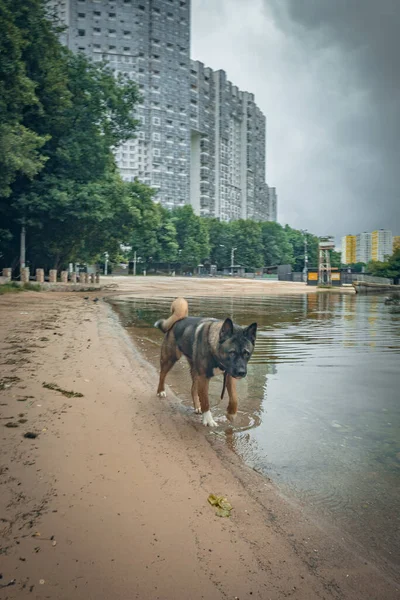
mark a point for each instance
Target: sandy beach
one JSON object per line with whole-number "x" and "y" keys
{"x": 109, "y": 501}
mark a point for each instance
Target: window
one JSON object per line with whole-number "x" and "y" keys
{"x": 141, "y": 7}
{"x": 127, "y": 33}
{"x": 111, "y": 47}
{"x": 111, "y": 32}
{"x": 156, "y": 121}
{"x": 81, "y": 15}
{"x": 169, "y": 45}
{"x": 81, "y": 32}
{"x": 97, "y": 13}
{"x": 156, "y": 152}
{"x": 112, "y": 15}
{"x": 127, "y": 49}
{"x": 96, "y": 30}
{"x": 96, "y": 46}
{"x": 156, "y": 137}
{"x": 156, "y": 10}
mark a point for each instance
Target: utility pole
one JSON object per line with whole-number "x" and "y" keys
{"x": 22, "y": 249}
{"x": 134, "y": 262}
{"x": 106, "y": 255}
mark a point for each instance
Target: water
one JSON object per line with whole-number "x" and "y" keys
{"x": 319, "y": 412}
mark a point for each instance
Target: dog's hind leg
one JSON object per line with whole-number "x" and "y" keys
{"x": 233, "y": 401}
{"x": 195, "y": 394}
{"x": 170, "y": 354}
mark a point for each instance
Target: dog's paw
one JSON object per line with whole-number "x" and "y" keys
{"x": 208, "y": 421}
{"x": 197, "y": 411}
{"x": 231, "y": 417}
{"x": 162, "y": 394}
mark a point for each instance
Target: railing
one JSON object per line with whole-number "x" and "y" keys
{"x": 371, "y": 279}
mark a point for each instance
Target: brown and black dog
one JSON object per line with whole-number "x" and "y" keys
{"x": 211, "y": 347}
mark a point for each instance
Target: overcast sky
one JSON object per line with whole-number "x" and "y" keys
{"x": 326, "y": 75}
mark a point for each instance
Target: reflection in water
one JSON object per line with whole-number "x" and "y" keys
{"x": 319, "y": 411}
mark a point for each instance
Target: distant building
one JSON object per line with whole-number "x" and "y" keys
{"x": 363, "y": 247}
{"x": 381, "y": 244}
{"x": 200, "y": 140}
{"x": 273, "y": 203}
{"x": 227, "y": 176}
{"x": 396, "y": 242}
{"x": 349, "y": 243}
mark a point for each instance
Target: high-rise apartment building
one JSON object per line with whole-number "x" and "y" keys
{"x": 149, "y": 41}
{"x": 349, "y": 243}
{"x": 363, "y": 247}
{"x": 381, "y": 244}
{"x": 200, "y": 139}
{"x": 228, "y": 148}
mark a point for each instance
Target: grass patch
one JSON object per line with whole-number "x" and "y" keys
{"x": 56, "y": 388}
{"x": 13, "y": 288}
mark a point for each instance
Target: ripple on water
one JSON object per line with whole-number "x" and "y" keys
{"x": 319, "y": 410}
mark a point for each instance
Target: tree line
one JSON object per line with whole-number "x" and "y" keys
{"x": 60, "y": 117}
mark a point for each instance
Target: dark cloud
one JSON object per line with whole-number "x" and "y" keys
{"x": 326, "y": 74}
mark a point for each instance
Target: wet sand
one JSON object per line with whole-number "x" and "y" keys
{"x": 119, "y": 479}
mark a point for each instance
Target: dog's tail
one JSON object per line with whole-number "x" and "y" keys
{"x": 179, "y": 310}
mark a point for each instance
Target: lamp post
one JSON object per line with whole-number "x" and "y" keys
{"x": 106, "y": 255}
{"x": 232, "y": 259}
{"x": 305, "y": 270}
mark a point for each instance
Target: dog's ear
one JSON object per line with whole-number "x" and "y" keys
{"x": 250, "y": 332}
{"x": 226, "y": 330}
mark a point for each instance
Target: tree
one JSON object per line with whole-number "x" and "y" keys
{"x": 166, "y": 236}
{"x": 388, "y": 268}
{"x": 220, "y": 236}
{"x": 79, "y": 111}
{"x": 192, "y": 236}
{"x": 247, "y": 238}
{"x": 276, "y": 248}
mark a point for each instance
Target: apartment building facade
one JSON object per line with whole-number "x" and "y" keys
{"x": 367, "y": 246}
{"x": 227, "y": 149}
{"x": 200, "y": 140}
{"x": 349, "y": 244}
{"x": 381, "y": 244}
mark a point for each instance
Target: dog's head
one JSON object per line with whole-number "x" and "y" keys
{"x": 236, "y": 345}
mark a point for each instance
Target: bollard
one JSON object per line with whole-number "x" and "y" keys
{"x": 40, "y": 275}
{"x": 7, "y": 273}
{"x": 92, "y": 278}
{"x": 25, "y": 275}
{"x": 97, "y": 277}
{"x": 73, "y": 277}
{"x": 83, "y": 278}
{"x": 53, "y": 276}
{"x": 64, "y": 276}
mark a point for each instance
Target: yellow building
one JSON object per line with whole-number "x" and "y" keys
{"x": 381, "y": 244}
{"x": 396, "y": 242}
{"x": 349, "y": 245}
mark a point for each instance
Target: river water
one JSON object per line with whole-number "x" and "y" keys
{"x": 319, "y": 412}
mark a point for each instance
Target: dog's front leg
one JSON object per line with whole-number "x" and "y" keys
{"x": 202, "y": 388}
{"x": 233, "y": 401}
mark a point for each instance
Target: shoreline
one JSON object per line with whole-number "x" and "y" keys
{"x": 121, "y": 480}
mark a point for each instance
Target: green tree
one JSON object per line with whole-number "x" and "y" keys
{"x": 78, "y": 110}
{"x": 247, "y": 237}
{"x": 166, "y": 236}
{"x": 220, "y": 235}
{"x": 388, "y": 268}
{"x": 276, "y": 248}
{"x": 192, "y": 236}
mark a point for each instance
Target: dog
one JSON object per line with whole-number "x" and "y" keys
{"x": 211, "y": 346}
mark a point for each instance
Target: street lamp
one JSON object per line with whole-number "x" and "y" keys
{"x": 305, "y": 270}
{"x": 106, "y": 255}
{"x": 232, "y": 257}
